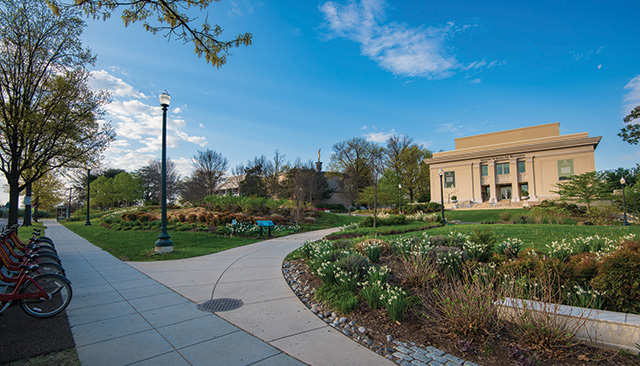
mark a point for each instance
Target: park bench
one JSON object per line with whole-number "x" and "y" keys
{"x": 265, "y": 223}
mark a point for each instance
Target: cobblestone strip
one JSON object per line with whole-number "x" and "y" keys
{"x": 405, "y": 354}
{"x": 408, "y": 354}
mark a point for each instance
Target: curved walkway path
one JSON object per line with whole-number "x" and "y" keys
{"x": 147, "y": 314}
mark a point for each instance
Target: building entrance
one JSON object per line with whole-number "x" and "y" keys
{"x": 505, "y": 193}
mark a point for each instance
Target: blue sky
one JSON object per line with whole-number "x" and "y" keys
{"x": 320, "y": 72}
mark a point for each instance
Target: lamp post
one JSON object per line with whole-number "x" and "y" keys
{"x": 441, "y": 174}
{"x": 88, "y": 222}
{"x": 624, "y": 202}
{"x": 399, "y": 198}
{"x": 164, "y": 243}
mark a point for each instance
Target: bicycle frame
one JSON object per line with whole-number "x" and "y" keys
{"x": 14, "y": 296}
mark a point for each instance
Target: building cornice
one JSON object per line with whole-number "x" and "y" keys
{"x": 529, "y": 148}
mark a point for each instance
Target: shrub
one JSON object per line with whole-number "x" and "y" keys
{"x": 390, "y": 221}
{"x": 396, "y": 302}
{"x": 428, "y": 207}
{"x": 342, "y": 301}
{"x": 182, "y": 217}
{"x": 504, "y": 215}
{"x": 334, "y": 207}
{"x": 619, "y": 278}
{"x": 354, "y": 263}
{"x": 510, "y": 247}
{"x": 309, "y": 220}
{"x": 584, "y": 268}
{"x": 468, "y": 306}
{"x": 417, "y": 269}
{"x": 372, "y": 293}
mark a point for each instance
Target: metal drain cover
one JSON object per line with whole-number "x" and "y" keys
{"x": 220, "y": 305}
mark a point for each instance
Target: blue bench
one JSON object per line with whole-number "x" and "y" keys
{"x": 265, "y": 223}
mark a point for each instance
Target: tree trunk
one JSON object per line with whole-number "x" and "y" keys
{"x": 14, "y": 197}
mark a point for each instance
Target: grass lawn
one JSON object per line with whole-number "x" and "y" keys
{"x": 329, "y": 220}
{"x": 538, "y": 236}
{"x": 139, "y": 245}
{"x": 24, "y": 233}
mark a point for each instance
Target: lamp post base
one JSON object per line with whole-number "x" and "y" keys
{"x": 164, "y": 249}
{"x": 164, "y": 244}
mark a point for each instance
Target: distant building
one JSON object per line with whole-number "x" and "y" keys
{"x": 501, "y": 166}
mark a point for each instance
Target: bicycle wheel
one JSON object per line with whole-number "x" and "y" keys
{"x": 58, "y": 287}
{"x": 47, "y": 267}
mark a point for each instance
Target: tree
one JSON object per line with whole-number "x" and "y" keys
{"x": 49, "y": 118}
{"x": 209, "y": 167}
{"x": 584, "y": 188}
{"x": 253, "y": 183}
{"x": 47, "y": 192}
{"x": 168, "y": 20}
{"x": 630, "y": 175}
{"x": 406, "y": 161}
{"x": 126, "y": 188}
{"x": 631, "y": 132}
{"x": 151, "y": 181}
{"x": 414, "y": 172}
{"x": 351, "y": 160}
{"x": 273, "y": 172}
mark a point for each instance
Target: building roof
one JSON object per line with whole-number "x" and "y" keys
{"x": 516, "y": 141}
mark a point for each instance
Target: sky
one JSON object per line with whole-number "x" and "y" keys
{"x": 320, "y": 72}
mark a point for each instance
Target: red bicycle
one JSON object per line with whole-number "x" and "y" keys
{"x": 41, "y": 296}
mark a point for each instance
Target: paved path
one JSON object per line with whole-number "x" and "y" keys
{"x": 147, "y": 314}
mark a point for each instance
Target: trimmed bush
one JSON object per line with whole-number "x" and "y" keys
{"x": 619, "y": 278}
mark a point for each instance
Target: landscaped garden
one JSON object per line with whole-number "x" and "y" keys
{"x": 444, "y": 286}
{"x": 221, "y": 223}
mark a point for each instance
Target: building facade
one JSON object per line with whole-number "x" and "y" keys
{"x": 511, "y": 165}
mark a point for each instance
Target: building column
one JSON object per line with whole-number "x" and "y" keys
{"x": 476, "y": 183}
{"x": 533, "y": 194}
{"x": 515, "y": 189}
{"x": 492, "y": 182}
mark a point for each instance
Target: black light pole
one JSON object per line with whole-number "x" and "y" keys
{"x": 399, "y": 198}
{"x": 441, "y": 173}
{"x": 88, "y": 222}
{"x": 624, "y": 202}
{"x": 164, "y": 243}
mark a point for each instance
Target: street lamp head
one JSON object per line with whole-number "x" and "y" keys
{"x": 622, "y": 181}
{"x": 399, "y": 186}
{"x": 440, "y": 172}
{"x": 165, "y": 98}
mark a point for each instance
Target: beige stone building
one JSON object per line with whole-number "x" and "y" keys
{"x": 510, "y": 165}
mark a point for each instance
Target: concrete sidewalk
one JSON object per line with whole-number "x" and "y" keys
{"x": 121, "y": 316}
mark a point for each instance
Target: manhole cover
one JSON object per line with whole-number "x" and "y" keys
{"x": 220, "y": 305}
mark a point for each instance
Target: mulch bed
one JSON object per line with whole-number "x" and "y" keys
{"x": 499, "y": 349}
{"x": 23, "y": 336}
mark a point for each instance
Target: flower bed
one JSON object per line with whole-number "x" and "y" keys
{"x": 452, "y": 284}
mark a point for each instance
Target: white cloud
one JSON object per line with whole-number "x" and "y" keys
{"x": 379, "y": 137}
{"x": 397, "y": 47}
{"x": 201, "y": 125}
{"x": 102, "y": 80}
{"x": 138, "y": 125}
{"x": 456, "y": 128}
{"x": 425, "y": 144}
{"x": 599, "y": 66}
{"x": 475, "y": 81}
{"x": 240, "y": 9}
{"x": 632, "y": 98}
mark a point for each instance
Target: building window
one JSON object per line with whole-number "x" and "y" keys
{"x": 521, "y": 167}
{"x": 449, "y": 179}
{"x": 484, "y": 170}
{"x": 502, "y": 169}
{"x": 524, "y": 189}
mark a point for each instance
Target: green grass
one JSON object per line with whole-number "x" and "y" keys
{"x": 384, "y": 230}
{"x": 24, "y": 233}
{"x": 329, "y": 220}
{"x": 484, "y": 215}
{"x": 63, "y": 358}
{"x": 538, "y": 236}
{"x": 140, "y": 245}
